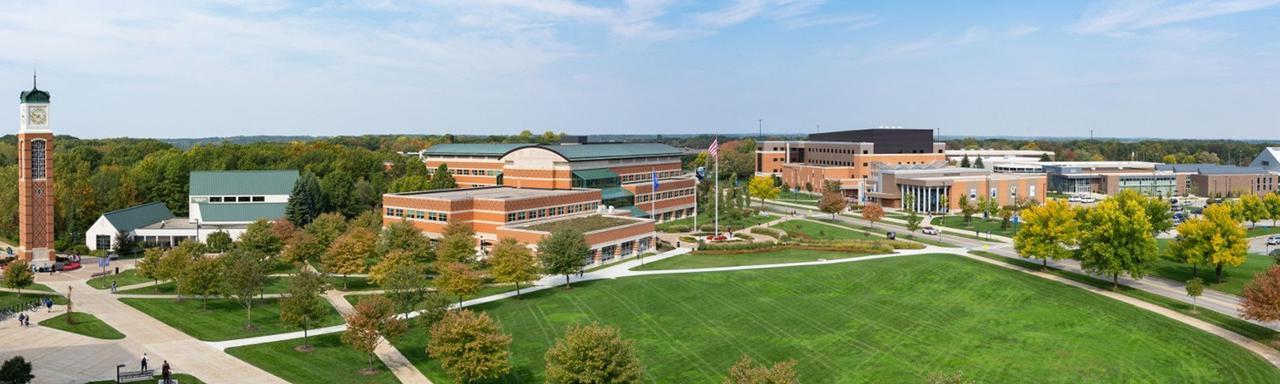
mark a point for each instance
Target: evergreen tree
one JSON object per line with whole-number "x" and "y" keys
{"x": 442, "y": 179}
{"x": 306, "y": 201}
{"x": 964, "y": 162}
{"x": 977, "y": 163}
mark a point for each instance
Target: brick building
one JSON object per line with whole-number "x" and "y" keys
{"x": 847, "y": 157}
{"x": 526, "y": 215}
{"x": 938, "y": 190}
{"x": 35, "y": 178}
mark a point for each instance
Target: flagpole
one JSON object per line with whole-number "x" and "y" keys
{"x": 717, "y": 226}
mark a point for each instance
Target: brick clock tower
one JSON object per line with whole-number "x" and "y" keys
{"x": 35, "y": 177}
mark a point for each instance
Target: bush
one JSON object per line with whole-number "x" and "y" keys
{"x": 743, "y": 236}
{"x": 675, "y": 228}
{"x": 774, "y": 233}
{"x": 1275, "y": 255}
{"x": 688, "y": 239}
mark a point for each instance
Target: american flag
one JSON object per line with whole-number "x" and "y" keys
{"x": 715, "y": 147}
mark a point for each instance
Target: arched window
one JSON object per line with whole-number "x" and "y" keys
{"x": 37, "y": 159}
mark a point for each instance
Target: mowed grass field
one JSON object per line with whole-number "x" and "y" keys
{"x": 714, "y": 260}
{"x": 222, "y": 319}
{"x": 884, "y": 321}
{"x": 1233, "y": 278}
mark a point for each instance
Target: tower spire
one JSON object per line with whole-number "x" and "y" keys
{"x": 33, "y": 79}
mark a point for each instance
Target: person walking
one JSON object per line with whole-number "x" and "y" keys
{"x": 164, "y": 372}
{"x": 144, "y": 361}
{"x": 21, "y": 319}
{"x": 113, "y": 286}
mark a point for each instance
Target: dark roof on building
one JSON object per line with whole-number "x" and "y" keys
{"x": 886, "y": 140}
{"x": 138, "y": 216}
{"x": 1211, "y": 169}
{"x": 572, "y": 152}
{"x": 212, "y": 183}
{"x": 35, "y": 95}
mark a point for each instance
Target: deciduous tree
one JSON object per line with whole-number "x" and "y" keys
{"x": 394, "y": 261}
{"x": 260, "y": 239}
{"x": 457, "y": 243}
{"x": 1117, "y": 239}
{"x": 1213, "y": 239}
{"x": 244, "y": 273}
{"x": 303, "y": 247}
{"x": 562, "y": 253}
{"x": 872, "y": 212}
{"x": 16, "y": 370}
{"x": 302, "y": 305}
{"x": 349, "y": 253}
{"x": 218, "y": 241}
{"x": 203, "y": 278}
{"x": 913, "y": 218}
{"x": 967, "y": 208}
{"x": 513, "y": 263}
{"x": 373, "y": 319}
{"x": 763, "y": 188}
{"x": 1272, "y": 202}
{"x": 593, "y": 354}
{"x": 1049, "y": 231}
{"x": 470, "y": 346}
{"x": 1195, "y": 287}
{"x": 149, "y": 265}
{"x": 1253, "y": 209}
{"x": 327, "y": 227}
{"x": 18, "y": 275}
{"x": 458, "y": 279}
{"x": 403, "y": 236}
{"x": 1261, "y": 298}
{"x": 746, "y": 371}
{"x": 832, "y": 202}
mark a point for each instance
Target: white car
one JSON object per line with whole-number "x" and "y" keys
{"x": 930, "y": 231}
{"x": 1073, "y": 199}
{"x": 1273, "y": 240}
{"x": 1088, "y": 200}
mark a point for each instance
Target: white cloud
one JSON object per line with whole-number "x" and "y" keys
{"x": 1022, "y": 30}
{"x": 1133, "y": 15}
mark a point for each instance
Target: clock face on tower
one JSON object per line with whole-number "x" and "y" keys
{"x": 39, "y": 116}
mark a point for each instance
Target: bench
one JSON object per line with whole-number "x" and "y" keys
{"x": 99, "y": 274}
{"x": 128, "y": 376}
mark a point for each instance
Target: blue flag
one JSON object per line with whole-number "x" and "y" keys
{"x": 655, "y": 180}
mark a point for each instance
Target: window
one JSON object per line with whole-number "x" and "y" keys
{"x": 37, "y": 159}
{"x": 104, "y": 241}
{"x": 244, "y": 199}
{"x": 993, "y": 193}
{"x": 259, "y": 199}
{"x": 1031, "y": 191}
{"x": 215, "y": 199}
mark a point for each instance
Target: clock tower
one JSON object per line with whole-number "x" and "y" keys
{"x": 35, "y": 177}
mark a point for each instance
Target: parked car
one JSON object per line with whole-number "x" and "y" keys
{"x": 1073, "y": 199}
{"x": 1088, "y": 200}
{"x": 929, "y": 231}
{"x": 1273, "y": 240}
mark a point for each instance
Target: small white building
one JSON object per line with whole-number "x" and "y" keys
{"x": 992, "y": 156}
{"x": 1268, "y": 159}
{"x": 219, "y": 201}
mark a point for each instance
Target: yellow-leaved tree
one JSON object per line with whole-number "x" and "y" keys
{"x": 762, "y": 187}
{"x": 1215, "y": 239}
{"x": 1048, "y": 231}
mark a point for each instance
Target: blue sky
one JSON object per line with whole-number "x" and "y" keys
{"x": 1197, "y": 69}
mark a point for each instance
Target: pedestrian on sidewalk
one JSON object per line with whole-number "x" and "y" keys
{"x": 164, "y": 373}
{"x": 21, "y": 318}
{"x": 113, "y": 286}
{"x": 144, "y": 361}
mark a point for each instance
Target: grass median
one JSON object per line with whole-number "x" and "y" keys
{"x": 83, "y": 324}
{"x": 223, "y": 319}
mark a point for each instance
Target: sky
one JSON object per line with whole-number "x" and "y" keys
{"x": 200, "y": 68}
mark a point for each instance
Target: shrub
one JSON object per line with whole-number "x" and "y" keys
{"x": 774, "y": 233}
{"x": 743, "y": 236}
{"x": 688, "y": 239}
{"x": 675, "y": 228}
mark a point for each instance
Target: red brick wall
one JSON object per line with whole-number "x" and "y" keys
{"x": 35, "y": 198}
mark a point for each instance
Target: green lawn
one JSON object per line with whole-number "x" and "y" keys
{"x": 126, "y": 277}
{"x": 713, "y": 260}
{"x": 1233, "y": 278}
{"x": 1262, "y": 231}
{"x": 799, "y": 198}
{"x": 878, "y": 233}
{"x": 726, "y": 223}
{"x": 8, "y": 299}
{"x": 275, "y": 284}
{"x": 178, "y": 377}
{"x": 985, "y": 226}
{"x": 85, "y": 324}
{"x": 330, "y": 362}
{"x": 892, "y": 320}
{"x": 582, "y": 224}
{"x": 353, "y": 283}
{"x": 808, "y": 230}
{"x": 1244, "y": 328}
{"x": 486, "y": 291}
{"x": 223, "y": 320}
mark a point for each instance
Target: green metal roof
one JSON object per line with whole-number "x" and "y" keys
{"x": 138, "y": 216}
{"x": 575, "y": 152}
{"x": 240, "y": 212}
{"x": 595, "y": 174}
{"x": 212, "y": 183}
{"x": 473, "y": 149}
{"x": 584, "y": 152}
{"x": 614, "y": 192}
{"x": 637, "y": 212}
{"x": 34, "y": 96}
